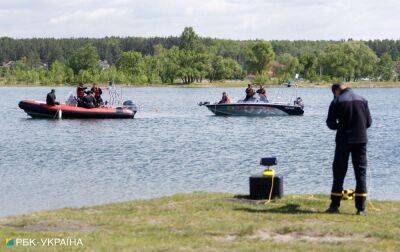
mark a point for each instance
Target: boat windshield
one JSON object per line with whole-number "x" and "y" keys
{"x": 255, "y": 99}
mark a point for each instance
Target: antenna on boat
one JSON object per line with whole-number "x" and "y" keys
{"x": 115, "y": 94}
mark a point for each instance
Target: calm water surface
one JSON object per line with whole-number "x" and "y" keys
{"x": 174, "y": 146}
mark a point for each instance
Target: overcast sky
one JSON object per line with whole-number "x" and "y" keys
{"x": 235, "y": 19}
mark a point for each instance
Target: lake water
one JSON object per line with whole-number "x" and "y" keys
{"x": 174, "y": 146}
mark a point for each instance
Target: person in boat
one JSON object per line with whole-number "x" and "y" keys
{"x": 97, "y": 94}
{"x": 262, "y": 93}
{"x": 350, "y": 117}
{"x": 249, "y": 93}
{"x": 225, "y": 99}
{"x": 80, "y": 93}
{"x": 88, "y": 101}
{"x": 51, "y": 98}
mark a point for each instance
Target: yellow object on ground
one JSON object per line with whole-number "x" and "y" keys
{"x": 269, "y": 173}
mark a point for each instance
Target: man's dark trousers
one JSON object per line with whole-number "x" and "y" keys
{"x": 358, "y": 153}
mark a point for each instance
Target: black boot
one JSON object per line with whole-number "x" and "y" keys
{"x": 360, "y": 199}
{"x": 335, "y": 204}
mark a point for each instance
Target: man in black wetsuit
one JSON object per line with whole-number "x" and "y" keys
{"x": 51, "y": 98}
{"x": 249, "y": 92}
{"x": 349, "y": 115}
{"x": 88, "y": 100}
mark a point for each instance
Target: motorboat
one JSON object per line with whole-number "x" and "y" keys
{"x": 256, "y": 107}
{"x": 39, "y": 109}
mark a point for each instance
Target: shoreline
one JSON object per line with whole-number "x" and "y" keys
{"x": 227, "y": 84}
{"x": 215, "y": 221}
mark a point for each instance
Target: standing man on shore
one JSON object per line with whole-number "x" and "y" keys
{"x": 349, "y": 115}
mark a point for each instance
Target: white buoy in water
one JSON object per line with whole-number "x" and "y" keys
{"x": 60, "y": 114}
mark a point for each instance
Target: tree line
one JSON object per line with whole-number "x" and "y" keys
{"x": 190, "y": 58}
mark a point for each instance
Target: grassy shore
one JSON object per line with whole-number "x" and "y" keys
{"x": 214, "y": 222}
{"x": 227, "y": 84}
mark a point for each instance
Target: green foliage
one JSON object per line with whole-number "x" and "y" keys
{"x": 193, "y": 60}
{"x": 385, "y": 69}
{"x": 168, "y": 63}
{"x": 308, "y": 65}
{"x": 133, "y": 66}
{"x": 84, "y": 59}
{"x": 336, "y": 63}
{"x": 131, "y": 63}
{"x": 152, "y": 69}
{"x": 397, "y": 69}
{"x": 33, "y": 59}
{"x": 259, "y": 55}
{"x": 190, "y": 59}
{"x": 189, "y": 40}
{"x": 365, "y": 59}
{"x": 192, "y": 66}
{"x": 224, "y": 68}
{"x": 261, "y": 78}
{"x": 287, "y": 66}
{"x": 348, "y": 61}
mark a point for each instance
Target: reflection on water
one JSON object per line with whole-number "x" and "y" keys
{"x": 173, "y": 145}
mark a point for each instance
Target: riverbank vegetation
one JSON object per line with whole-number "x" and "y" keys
{"x": 215, "y": 222}
{"x": 189, "y": 59}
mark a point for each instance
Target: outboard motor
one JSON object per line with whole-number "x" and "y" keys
{"x": 204, "y": 103}
{"x": 130, "y": 105}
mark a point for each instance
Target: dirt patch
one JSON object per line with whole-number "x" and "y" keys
{"x": 308, "y": 237}
{"x": 157, "y": 220}
{"x": 226, "y": 238}
{"x": 57, "y": 226}
{"x": 177, "y": 231}
{"x": 172, "y": 205}
{"x": 92, "y": 211}
{"x": 128, "y": 220}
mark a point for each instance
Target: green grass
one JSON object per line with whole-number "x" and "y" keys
{"x": 215, "y": 222}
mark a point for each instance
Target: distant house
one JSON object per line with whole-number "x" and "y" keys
{"x": 104, "y": 64}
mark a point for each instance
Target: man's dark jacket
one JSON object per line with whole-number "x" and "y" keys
{"x": 349, "y": 115}
{"x": 51, "y": 99}
{"x": 89, "y": 101}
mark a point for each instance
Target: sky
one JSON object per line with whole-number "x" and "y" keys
{"x": 232, "y": 19}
